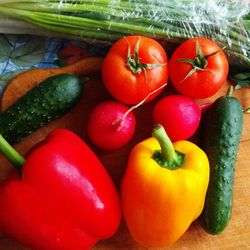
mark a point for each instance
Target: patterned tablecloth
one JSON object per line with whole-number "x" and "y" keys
{"x": 22, "y": 52}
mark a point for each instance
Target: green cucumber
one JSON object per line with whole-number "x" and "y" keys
{"x": 221, "y": 131}
{"x": 45, "y": 102}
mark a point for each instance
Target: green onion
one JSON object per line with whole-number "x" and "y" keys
{"x": 226, "y": 22}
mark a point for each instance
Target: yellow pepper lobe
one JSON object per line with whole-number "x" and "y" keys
{"x": 159, "y": 204}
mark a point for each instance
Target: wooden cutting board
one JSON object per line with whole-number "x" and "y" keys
{"x": 237, "y": 234}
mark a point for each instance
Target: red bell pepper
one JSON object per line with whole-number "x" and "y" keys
{"x": 64, "y": 198}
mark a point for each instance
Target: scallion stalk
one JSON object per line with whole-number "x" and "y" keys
{"x": 227, "y": 22}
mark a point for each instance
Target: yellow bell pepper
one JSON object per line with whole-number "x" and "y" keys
{"x": 163, "y": 189}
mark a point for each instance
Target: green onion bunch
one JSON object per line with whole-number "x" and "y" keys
{"x": 225, "y": 21}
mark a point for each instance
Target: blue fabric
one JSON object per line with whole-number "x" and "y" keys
{"x": 8, "y": 66}
{"x": 52, "y": 47}
{"x": 22, "y": 52}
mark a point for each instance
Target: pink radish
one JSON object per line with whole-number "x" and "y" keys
{"x": 110, "y": 125}
{"x": 179, "y": 115}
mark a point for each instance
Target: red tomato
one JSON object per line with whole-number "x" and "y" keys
{"x": 130, "y": 81}
{"x": 205, "y": 81}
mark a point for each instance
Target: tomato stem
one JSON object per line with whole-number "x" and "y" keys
{"x": 199, "y": 63}
{"x": 134, "y": 63}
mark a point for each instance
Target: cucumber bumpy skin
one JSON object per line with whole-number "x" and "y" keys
{"x": 45, "y": 102}
{"x": 220, "y": 138}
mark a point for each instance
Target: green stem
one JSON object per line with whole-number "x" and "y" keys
{"x": 247, "y": 110}
{"x": 108, "y": 20}
{"x": 230, "y": 91}
{"x": 11, "y": 154}
{"x": 167, "y": 157}
{"x": 167, "y": 148}
{"x": 103, "y": 9}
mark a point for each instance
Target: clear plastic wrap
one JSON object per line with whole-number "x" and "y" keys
{"x": 225, "y": 21}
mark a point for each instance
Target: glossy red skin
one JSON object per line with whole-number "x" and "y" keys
{"x": 121, "y": 82}
{"x": 201, "y": 84}
{"x": 64, "y": 200}
{"x": 179, "y": 115}
{"x": 106, "y": 127}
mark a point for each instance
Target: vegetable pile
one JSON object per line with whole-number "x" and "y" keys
{"x": 226, "y": 22}
{"x": 63, "y": 193}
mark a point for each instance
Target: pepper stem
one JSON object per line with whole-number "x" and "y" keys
{"x": 167, "y": 149}
{"x": 168, "y": 157}
{"x": 230, "y": 91}
{"x": 11, "y": 154}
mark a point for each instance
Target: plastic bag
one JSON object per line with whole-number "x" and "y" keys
{"x": 224, "y": 21}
